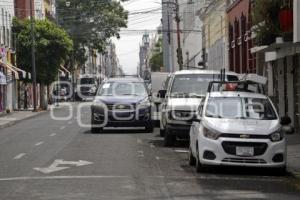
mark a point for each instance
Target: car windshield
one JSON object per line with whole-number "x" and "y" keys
{"x": 194, "y": 85}
{"x": 123, "y": 89}
{"x": 240, "y": 108}
{"x": 87, "y": 81}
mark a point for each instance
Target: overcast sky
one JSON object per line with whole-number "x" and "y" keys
{"x": 128, "y": 46}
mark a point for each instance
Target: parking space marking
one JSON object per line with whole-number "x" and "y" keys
{"x": 181, "y": 151}
{"x": 39, "y": 143}
{"x": 52, "y": 134}
{"x": 17, "y": 157}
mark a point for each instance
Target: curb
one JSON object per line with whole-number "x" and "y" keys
{"x": 19, "y": 120}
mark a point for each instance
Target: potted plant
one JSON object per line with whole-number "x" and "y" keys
{"x": 286, "y": 16}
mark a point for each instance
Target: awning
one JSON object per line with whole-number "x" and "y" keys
{"x": 274, "y": 47}
{"x": 11, "y": 69}
{"x": 19, "y": 70}
{"x": 2, "y": 79}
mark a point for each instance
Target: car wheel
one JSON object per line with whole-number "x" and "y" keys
{"x": 95, "y": 128}
{"x": 149, "y": 128}
{"x": 162, "y": 132}
{"x": 199, "y": 166}
{"x": 281, "y": 171}
{"x": 192, "y": 159}
{"x": 169, "y": 139}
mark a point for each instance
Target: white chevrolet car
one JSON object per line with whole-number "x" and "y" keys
{"x": 237, "y": 127}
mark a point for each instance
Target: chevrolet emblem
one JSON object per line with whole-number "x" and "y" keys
{"x": 245, "y": 136}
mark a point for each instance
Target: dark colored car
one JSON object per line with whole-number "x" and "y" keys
{"x": 121, "y": 102}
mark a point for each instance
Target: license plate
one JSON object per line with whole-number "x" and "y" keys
{"x": 244, "y": 151}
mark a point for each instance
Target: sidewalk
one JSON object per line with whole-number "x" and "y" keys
{"x": 16, "y": 116}
{"x": 294, "y": 154}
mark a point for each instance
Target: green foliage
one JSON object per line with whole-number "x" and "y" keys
{"x": 265, "y": 17}
{"x": 91, "y": 23}
{"x": 156, "y": 61}
{"x": 52, "y": 47}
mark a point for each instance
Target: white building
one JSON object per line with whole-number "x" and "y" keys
{"x": 8, "y": 90}
{"x": 192, "y": 35}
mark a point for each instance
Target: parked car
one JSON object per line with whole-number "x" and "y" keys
{"x": 236, "y": 127}
{"x": 185, "y": 91}
{"x": 122, "y": 102}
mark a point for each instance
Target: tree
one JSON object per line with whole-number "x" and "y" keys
{"x": 156, "y": 60}
{"x": 52, "y": 44}
{"x": 265, "y": 17}
{"x": 91, "y": 23}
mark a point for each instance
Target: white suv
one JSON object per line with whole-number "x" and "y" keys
{"x": 238, "y": 128}
{"x": 185, "y": 90}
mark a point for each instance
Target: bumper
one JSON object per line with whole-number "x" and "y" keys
{"x": 265, "y": 158}
{"x": 131, "y": 118}
{"x": 179, "y": 130}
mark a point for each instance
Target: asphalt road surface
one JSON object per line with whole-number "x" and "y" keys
{"x": 46, "y": 159}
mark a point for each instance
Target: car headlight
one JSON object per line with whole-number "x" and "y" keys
{"x": 93, "y": 89}
{"x": 277, "y": 136}
{"x": 210, "y": 134}
{"x": 144, "y": 103}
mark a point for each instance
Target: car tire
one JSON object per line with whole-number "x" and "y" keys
{"x": 169, "y": 140}
{"x": 162, "y": 132}
{"x": 192, "y": 159}
{"x": 281, "y": 171}
{"x": 199, "y": 166}
{"x": 149, "y": 128}
{"x": 95, "y": 128}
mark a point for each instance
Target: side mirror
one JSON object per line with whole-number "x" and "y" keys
{"x": 285, "y": 121}
{"x": 162, "y": 94}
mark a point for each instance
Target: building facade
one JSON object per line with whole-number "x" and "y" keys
{"x": 214, "y": 34}
{"x": 192, "y": 34}
{"x": 240, "y": 39}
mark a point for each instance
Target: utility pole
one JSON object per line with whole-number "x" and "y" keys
{"x": 33, "y": 56}
{"x": 179, "y": 49}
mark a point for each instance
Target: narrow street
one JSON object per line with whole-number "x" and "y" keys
{"x": 46, "y": 159}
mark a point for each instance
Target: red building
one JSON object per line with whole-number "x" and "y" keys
{"x": 22, "y": 8}
{"x": 239, "y": 36}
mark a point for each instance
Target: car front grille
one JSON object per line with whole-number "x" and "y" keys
{"x": 244, "y": 160}
{"x": 84, "y": 89}
{"x": 120, "y": 106}
{"x": 259, "y": 147}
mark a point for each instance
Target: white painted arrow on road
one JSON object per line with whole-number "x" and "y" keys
{"x": 54, "y": 167}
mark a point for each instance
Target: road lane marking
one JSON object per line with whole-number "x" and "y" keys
{"x": 62, "y": 128}
{"x": 139, "y": 141}
{"x": 140, "y": 154}
{"x": 157, "y": 158}
{"x": 152, "y": 145}
{"x": 39, "y": 143}
{"x": 55, "y": 166}
{"x": 70, "y": 122}
{"x": 52, "y": 134}
{"x": 203, "y": 177}
{"x": 17, "y": 157}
